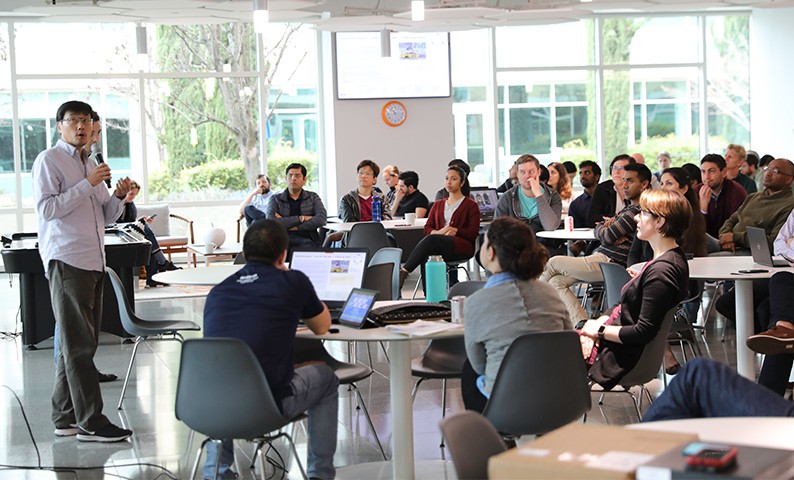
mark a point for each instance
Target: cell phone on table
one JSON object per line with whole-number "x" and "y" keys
{"x": 750, "y": 270}
{"x": 712, "y": 458}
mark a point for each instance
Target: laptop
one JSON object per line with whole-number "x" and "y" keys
{"x": 486, "y": 199}
{"x": 357, "y": 307}
{"x": 334, "y": 273}
{"x": 759, "y": 247}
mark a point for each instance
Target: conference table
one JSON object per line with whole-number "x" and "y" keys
{"x": 768, "y": 432}
{"x": 727, "y": 268}
{"x": 197, "y": 276}
{"x": 570, "y": 236}
{"x": 398, "y": 224}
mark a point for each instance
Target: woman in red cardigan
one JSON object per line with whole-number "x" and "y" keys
{"x": 451, "y": 229}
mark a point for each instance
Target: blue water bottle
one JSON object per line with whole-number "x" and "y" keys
{"x": 435, "y": 279}
{"x": 377, "y": 206}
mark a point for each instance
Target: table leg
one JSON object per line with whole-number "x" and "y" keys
{"x": 401, "y": 409}
{"x": 744, "y": 328}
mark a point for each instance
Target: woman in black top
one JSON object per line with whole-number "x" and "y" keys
{"x": 646, "y": 299}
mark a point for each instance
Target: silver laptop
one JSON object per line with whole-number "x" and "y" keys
{"x": 759, "y": 247}
{"x": 334, "y": 272}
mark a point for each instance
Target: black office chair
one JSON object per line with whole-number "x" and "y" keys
{"x": 472, "y": 441}
{"x": 541, "y": 385}
{"x": 143, "y": 328}
{"x": 211, "y": 368}
{"x": 380, "y": 278}
{"x": 370, "y": 235}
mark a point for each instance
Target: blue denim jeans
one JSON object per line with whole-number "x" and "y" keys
{"x": 705, "y": 388}
{"x": 315, "y": 391}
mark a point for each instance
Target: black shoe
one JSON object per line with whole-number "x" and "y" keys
{"x": 106, "y": 377}
{"x": 108, "y": 433}
{"x": 168, "y": 266}
{"x": 152, "y": 283}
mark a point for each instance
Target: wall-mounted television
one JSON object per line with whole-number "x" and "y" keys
{"x": 417, "y": 68}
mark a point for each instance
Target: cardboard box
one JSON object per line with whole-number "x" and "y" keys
{"x": 579, "y": 451}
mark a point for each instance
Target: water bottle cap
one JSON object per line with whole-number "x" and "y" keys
{"x": 436, "y": 258}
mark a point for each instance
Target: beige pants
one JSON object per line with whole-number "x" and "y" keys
{"x": 562, "y": 272}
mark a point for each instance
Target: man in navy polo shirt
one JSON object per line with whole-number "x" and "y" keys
{"x": 261, "y": 305}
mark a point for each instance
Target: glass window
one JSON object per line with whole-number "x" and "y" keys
{"x": 565, "y": 44}
{"x": 530, "y": 131}
{"x": 637, "y": 40}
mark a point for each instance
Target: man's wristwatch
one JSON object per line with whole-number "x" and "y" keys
{"x": 601, "y": 332}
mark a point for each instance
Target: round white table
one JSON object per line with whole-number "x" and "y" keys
{"x": 561, "y": 234}
{"x": 769, "y": 432}
{"x": 197, "y": 276}
{"x": 398, "y": 224}
{"x": 402, "y": 463}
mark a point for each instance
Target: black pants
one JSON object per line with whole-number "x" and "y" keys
{"x": 776, "y": 369}
{"x": 435, "y": 244}
{"x": 473, "y": 399}
{"x": 726, "y": 305}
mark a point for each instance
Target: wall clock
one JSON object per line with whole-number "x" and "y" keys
{"x": 394, "y": 113}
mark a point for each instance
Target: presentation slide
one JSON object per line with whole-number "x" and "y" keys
{"x": 333, "y": 274}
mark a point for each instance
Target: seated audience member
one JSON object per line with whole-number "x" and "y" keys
{"x": 620, "y": 338}
{"x": 443, "y": 193}
{"x": 512, "y": 303}
{"x": 356, "y": 206}
{"x": 759, "y": 174}
{"x": 408, "y": 198}
{"x": 512, "y": 179}
{"x": 391, "y": 175}
{"x": 451, "y": 229}
{"x": 694, "y": 175}
{"x": 749, "y": 166}
{"x": 735, "y": 155}
{"x": 300, "y": 211}
{"x": 253, "y": 208}
{"x": 664, "y": 162}
{"x": 767, "y": 209}
{"x": 570, "y": 170}
{"x": 615, "y": 235}
{"x": 692, "y": 242}
{"x": 262, "y": 305}
{"x": 531, "y": 201}
{"x": 640, "y": 158}
{"x": 559, "y": 182}
{"x": 157, "y": 261}
{"x": 608, "y": 196}
{"x": 705, "y": 388}
{"x": 719, "y": 197}
{"x": 589, "y": 176}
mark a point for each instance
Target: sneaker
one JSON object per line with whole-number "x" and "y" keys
{"x": 403, "y": 275}
{"x": 169, "y": 266}
{"x": 69, "y": 431}
{"x": 108, "y": 433}
{"x": 106, "y": 377}
{"x": 775, "y": 341}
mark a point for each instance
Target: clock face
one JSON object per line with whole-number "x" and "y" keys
{"x": 394, "y": 114}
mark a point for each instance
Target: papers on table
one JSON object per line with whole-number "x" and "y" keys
{"x": 423, "y": 328}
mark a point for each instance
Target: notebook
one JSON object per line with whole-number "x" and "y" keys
{"x": 759, "y": 247}
{"x": 486, "y": 199}
{"x": 334, "y": 272}
{"x": 357, "y": 307}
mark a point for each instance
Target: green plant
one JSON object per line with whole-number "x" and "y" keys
{"x": 223, "y": 175}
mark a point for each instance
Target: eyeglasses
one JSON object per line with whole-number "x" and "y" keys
{"x": 777, "y": 171}
{"x": 618, "y": 168}
{"x": 76, "y": 120}
{"x": 365, "y": 174}
{"x": 648, "y": 212}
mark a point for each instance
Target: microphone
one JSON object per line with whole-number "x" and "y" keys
{"x": 99, "y": 159}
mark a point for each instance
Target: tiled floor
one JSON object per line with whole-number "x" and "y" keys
{"x": 159, "y": 446}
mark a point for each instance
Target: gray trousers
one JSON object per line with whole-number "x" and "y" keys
{"x": 77, "y": 304}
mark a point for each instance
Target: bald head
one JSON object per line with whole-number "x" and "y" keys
{"x": 638, "y": 157}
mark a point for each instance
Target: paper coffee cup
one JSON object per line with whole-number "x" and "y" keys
{"x": 209, "y": 248}
{"x": 410, "y": 218}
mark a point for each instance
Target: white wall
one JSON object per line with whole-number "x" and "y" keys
{"x": 424, "y": 143}
{"x": 771, "y": 87}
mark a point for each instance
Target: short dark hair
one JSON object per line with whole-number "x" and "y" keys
{"x": 715, "y": 158}
{"x": 570, "y": 167}
{"x": 465, "y": 188}
{"x": 295, "y": 165}
{"x": 589, "y": 163}
{"x": 516, "y": 247}
{"x": 751, "y": 159}
{"x": 74, "y": 106}
{"x": 643, "y": 173}
{"x": 410, "y": 178}
{"x": 544, "y": 174}
{"x": 622, "y": 156}
{"x": 263, "y": 175}
{"x": 456, "y": 162}
{"x": 94, "y": 116}
{"x": 765, "y": 160}
{"x": 265, "y": 241}
{"x": 369, "y": 163}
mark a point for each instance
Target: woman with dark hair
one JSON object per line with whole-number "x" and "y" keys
{"x": 559, "y": 181}
{"x": 695, "y": 178}
{"x": 513, "y": 302}
{"x": 617, "y": 340}
{"x": 451, "y": 229}
{"x": 466, "y": 188}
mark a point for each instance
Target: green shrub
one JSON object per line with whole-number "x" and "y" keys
{"x": 222, "y": 175}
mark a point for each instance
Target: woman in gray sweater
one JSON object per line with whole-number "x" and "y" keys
{"x": 512, "y": 303}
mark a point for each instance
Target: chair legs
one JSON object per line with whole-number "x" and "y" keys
{"x": 443, "y": 399}
{"x": 198, "y": 458}
{"x": 369, "y": 420}
{"x": 138, "y": 341}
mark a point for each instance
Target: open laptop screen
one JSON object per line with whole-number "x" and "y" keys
{"x": 486, "y": 199}
{"x": 333, "y": 272}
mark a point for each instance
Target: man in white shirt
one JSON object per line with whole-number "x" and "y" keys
{"x": 253, "y": 208}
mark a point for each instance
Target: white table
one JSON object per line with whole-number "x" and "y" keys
{"x": 399, "y": 382}
{"x": 769, "y": 432}
{"x": 398, "y": 224}
{"x": 227, "y": 249}
{"x": 561, "y": 234}
{"x": 197, "y": 276}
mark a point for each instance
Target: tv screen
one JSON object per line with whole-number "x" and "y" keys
{"x": 418, "y": 66}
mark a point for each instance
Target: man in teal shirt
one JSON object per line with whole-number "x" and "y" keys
{"x": 531, "y": 200}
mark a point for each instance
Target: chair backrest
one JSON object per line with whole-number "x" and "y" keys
{"x": 209, "y": 369}
{"x": 541, "y": 385}
{"x": 650, "y": 361}
{"x": 393, "y": 256}
{"x": 126, "y": 314}
{"x": 471, "y": 440}
{"x": 465, "y": 288}
{"x": 239, "y": 259}
{"x": 379, "y": 277}
{"x": 161, "y": 225}
{"x": 615, "y": 278}
{"x": 369, "y": 235}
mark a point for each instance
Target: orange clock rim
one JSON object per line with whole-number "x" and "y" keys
{"x": 386, "y": 120}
